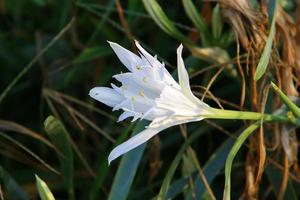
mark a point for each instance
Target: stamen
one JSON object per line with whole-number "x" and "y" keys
{"x": 138, "y": 67}
{"x": 145, "y": 80}
{"x": 141, "y": 93}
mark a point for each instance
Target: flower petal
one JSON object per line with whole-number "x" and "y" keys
{"x": 184, "y": 77}
{"x": 125, "y": 115}
{"x": 106, "y": 95}
{"x": 154, "y": 128}
{"x": 174, "y": 100}
{"x": 151, "y": 60}
{"x": 128, "y": 58}
{"x": 133, "y": 142}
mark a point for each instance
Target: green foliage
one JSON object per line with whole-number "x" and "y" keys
{"x": 265, "y": 56}
{"x": 61, "y": 141}
{"x": 127, "y": 169}
{"x": 53, "y": 52}
{"x": 234, "y": 150}
{"x": 44, "y": 191}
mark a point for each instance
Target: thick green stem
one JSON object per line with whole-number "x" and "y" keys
{"x": 244, "y": 115}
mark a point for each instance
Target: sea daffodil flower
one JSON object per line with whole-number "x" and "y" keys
{"x": 149, "y": 92}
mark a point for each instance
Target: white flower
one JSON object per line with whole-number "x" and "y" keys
{"x": 149, "y": 92}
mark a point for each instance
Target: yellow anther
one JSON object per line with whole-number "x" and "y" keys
{"x": 141, "y": 93}
{"x": 145, "y": 80}
{"x": 138, "y": 67}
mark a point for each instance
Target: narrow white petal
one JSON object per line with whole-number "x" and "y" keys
{"x": 151, "y": 60}
{"x": 117, "y": 89}
{"x": 133, "y": 142}
{"x": 128, "y": 58}
{"x": 123, "y": 104}
{"x": 106, "y": 95}
{"x": 183, "y": 76}
{"x": 125, "y": 115}
{"x": 154, "y": 128}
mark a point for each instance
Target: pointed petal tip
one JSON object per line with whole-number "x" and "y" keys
{"x": 136, "y": 42}
{"x": 179, "y": 49}
{"x": 109, "y": 161}
{"x": 112, "y": 156}
{"x": 112, "y": 44}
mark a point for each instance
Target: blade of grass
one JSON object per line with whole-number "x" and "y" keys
{"x": 158, "y": 15}
{"x": 91, "y": 53}
{"x": 198, "y": 21}
{"x": 237, "y": 145}
{"x": 265, "y": 57}
{"x": 44, "y": 191}
{"x": 48, "y": 93}
{"x": 103, "y": 168}
{"x": 167, "y": 180}
{"x": 77, "y": 151}
{"x": 127, "y": 169}
{"x": 212, "y": 167}
{"x": 29, "y": 152}
{"x": 12, "y": 188}
{"x": 104, "y": 18}
{"x": 216, "y": 23}
{"x": 60, "y": 138}
{"x": 12, "y": 126}
{"x": 35, "y": 59}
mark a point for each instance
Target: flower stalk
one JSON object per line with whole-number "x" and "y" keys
{"x": 245, "y": 115}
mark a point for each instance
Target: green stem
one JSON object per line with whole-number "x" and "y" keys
{"x": 286, "y": 100}
{"x": 244, "y": 115}
{"x": 235, "y": 148}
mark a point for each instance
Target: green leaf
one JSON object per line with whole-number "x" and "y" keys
{"x": 212, "y": 167}
{"x": 158, "y": 15}
{"x": 265, "y": 57}
{"x": 236, "y": 147}
{"x": 217, "y": 23}
{"x": 286, "y": 100}
{"x": 60, "y": 138}
{"x": 12, "y": 188}
{"x": 103, "y": 20}
{"x": 104, "y": 168}
{"x": 198, "y": 21}
{"x": 43, "y": 189}
{"x": 92, "y": 53}
{"x": 127, "y": 169}
{"x": 168, "y": 177}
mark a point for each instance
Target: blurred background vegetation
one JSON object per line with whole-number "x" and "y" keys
{"x": 53, "y": 52}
